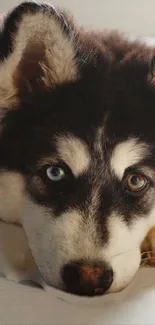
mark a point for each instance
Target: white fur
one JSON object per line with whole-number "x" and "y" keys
{"x": 123, "y": 250}
{"x": 74, "y": 152}
{"x": 126, "y": 154}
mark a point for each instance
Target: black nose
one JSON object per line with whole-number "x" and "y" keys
{"x": 87, "y": 280}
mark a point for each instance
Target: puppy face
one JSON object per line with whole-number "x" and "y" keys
{"x": 77, "y": 137}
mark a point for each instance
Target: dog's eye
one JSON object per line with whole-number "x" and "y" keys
{"x": 55, "y": 173}
{"x": 136, "y": 182}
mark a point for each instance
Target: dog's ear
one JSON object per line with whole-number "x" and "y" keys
{"x": 37, "y": 52}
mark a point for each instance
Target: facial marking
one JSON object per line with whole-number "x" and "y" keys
{"x": 98, "y": 146}
{"x": 74, "y": 152}
{"x": 126, "y": 154}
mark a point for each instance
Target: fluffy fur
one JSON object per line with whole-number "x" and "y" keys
{"x": 83, "y": 101}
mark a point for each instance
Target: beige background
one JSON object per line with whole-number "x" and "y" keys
{"x": 136, "y": 17}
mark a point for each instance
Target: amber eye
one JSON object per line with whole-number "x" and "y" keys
{"x": 136, "y": 182}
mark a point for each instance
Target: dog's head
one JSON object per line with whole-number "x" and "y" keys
{"x": 77, "y": 145}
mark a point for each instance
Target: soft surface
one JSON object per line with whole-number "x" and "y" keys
{"x": 23, "y": 304}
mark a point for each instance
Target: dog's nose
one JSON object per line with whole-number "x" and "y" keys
{"x": 87, "y": 280}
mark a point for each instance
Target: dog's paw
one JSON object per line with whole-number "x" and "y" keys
{"x": 148, "y": 249}
{"x": 16, "y": 276}
{"x": 19, "y": 277}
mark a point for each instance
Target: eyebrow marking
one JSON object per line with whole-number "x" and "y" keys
{"x": 126, "y": 154}
{"x": 74, "y": 152}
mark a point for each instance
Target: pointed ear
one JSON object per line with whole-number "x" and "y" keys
{"x": 37, "y": 52}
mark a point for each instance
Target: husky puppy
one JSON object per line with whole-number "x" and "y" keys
{"x": 77, "y": 144}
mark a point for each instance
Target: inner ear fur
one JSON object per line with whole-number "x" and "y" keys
{"x": 42, "y": 54}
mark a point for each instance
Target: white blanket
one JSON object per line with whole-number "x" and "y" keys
{"x": 26, "y": 305}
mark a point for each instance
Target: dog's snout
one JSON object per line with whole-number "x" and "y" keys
{"x": 85, "y": 279}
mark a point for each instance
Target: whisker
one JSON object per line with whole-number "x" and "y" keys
{"x": 123, "y": 252}
{"x": 146, "y": 252}
{"x": 147, "y": 258}
{"x": 143, "y": 259}
{"x": 148, "y": 262}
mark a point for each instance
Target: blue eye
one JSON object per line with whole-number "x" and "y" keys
{"x": 55, "y": 173}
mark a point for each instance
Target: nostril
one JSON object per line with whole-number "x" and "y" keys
{"x": 107, "y": 278}
{"x": 71, "y": 275}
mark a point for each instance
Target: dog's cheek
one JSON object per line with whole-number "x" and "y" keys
{"x": 125, "y": 267}
{"x": 123, "y": 251}
{"x": 36, "y": 224}
{"x": 46, "y": 241}
{"x": 12, "y": 191}
{"x": 55, "y": 241}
